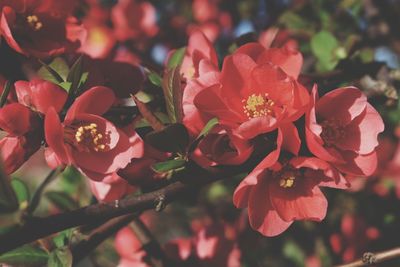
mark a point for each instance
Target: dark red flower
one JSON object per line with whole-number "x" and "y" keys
{"x": 37, "y": 28}
{"x": 342, "y": 128}
{"x": 87, "y": 140}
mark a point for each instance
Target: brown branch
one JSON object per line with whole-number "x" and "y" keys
{"x": 370, "y": 258}
{"x": 155, "y": 254}
{"x": 39, "y": 227}
{"x": 97, "y": 236}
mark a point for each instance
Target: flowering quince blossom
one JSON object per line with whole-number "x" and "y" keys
{"x": 129, "y": 249}
{"x": 22, "y": 122}
{"x": 38, "y": 28}
{"x": 257, "y": 91}
{"x": 342, "y": 128}
{"x": 133, "y": 19}
{"x": 221, "y": 146}
{"x": 277, "y": 194}
{"x": 87, "y": 140}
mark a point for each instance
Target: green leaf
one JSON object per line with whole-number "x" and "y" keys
{"x": 61, "y": 257}
{"x": 25, "y": 256}
{"x": 176, "y": 58}
{"x": 144, "y": 97}
{"x": 55, "y": 72}
{"x": 173, "y": 94}
{"x": 62, "y": 239}
{"x": 22, "y": 192}
{"x": 75, "y": 76}
{"x": 144, "y": 123}
{"x": 293, "y": 252}
{"x": 168, "y": 165}
{"x": 173, "y": 138}
{"x": 8, "y": 199}
{"x": 207, "y": 128}
{"x": 6, "y": 92}
{"x": 324, "y": 46}
{"x": 155, "y": 79}
{"x": 62, "y": 200}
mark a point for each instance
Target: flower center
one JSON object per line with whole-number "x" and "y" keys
{"x": 287, "y": 182}
{"x": 258, "y": 106}
{"x": 286, "y": 177}
{"x": 332, "y": 130}
{"x": 34, "y": 22}
{"x": 86, "y": 137}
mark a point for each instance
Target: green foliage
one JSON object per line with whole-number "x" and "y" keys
{"x": 61, "y": 257}
{"x": 155, "y": 79}
{"x": 62, "y": 200}
{"x": 166, "y": 166}
{"x": 293, "y": 252}
{"x": 326, "y": 49}
{"x": 25, "y": 256}
{"x": 21, "y": 191}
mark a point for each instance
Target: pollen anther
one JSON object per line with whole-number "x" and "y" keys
{"x": 258, "y": 106}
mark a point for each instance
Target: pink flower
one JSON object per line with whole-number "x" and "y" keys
{"x": 277, "y": 194}
{"x": 129, "y": 248}
{"x": 257, "y": 91}
{"x": 134, "y": 19}
{"x": 40, "y": 95}
{"x": 342, "y": 128}
{"x": 87, "y": 140}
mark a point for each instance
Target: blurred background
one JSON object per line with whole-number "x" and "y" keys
{"x": 346, "y": 42}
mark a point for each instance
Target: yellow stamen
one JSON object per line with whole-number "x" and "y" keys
{"x": 34, "y": 22}
{"x": 258, "y": 106}
{"x": 287, "y": 182}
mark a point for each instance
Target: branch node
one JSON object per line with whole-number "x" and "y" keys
{"x": 369, "y": 258}
{"x": 160, "y": 203}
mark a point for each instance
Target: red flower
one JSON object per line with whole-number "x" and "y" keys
{"x": 36, "y": 28}
{"x": 111, "y": 188}
{"x": 22, "y": 140}
{"x": 134, "y": 19}
{"x": 87, "y": 140}
{"x": 129, "y": 248}
{"x": 221, "y": 146}
{"x": 40, "y": 95}
{"x": 257, "y": 91}
{"x": 342, "y": 128}
{"x": 277, "y": 194}
{"x": 198, "y": 48}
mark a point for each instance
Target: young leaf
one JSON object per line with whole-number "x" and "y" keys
{"x": 176, "y": 58}
{"x": 173, "y": 94}
{"x": 62, "y": 200}
{"x": 154, "y": 122}
{"x": 207, "y": 128}
{"x": 168, "y": 165}
{"x": 61, "y": 257}
{"x": 8, "y": 199}
{"x": 21, "y": 190}
{"x": 173, "y": 138}
{"x": 323, "y": 46}
{"x": 25, "y": 256}
{"x": 155, "y": 79}
{"x": 56, "y": 72}
{"x": 62, "y": 239}
{"x": 75, "y": 76}
{"x": 6, "y": 92}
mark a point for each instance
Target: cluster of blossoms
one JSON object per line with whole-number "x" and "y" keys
{"x": 304, "y": 141}
{"x": 299, "y": 140}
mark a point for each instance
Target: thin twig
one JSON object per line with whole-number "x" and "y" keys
{"x": 370, "y": 258}
{"x": 96, "y": 237}
{"x": 39, "y": 227}
{"x": 154, "y": 251}
{"x": 38, "y": 193}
